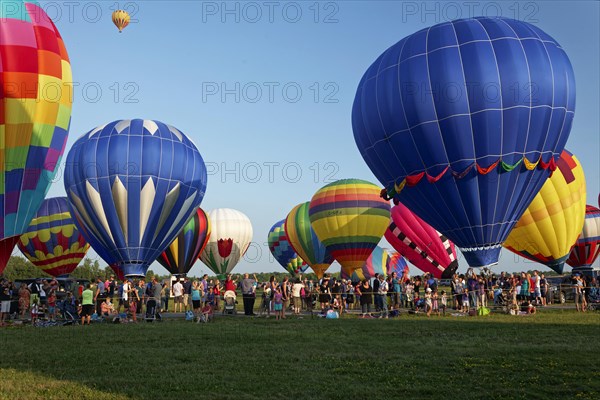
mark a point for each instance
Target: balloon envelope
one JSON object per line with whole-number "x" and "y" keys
{"x": 121, "y": 19}
{"x": 283, "y": 251}
{"x": 230, "y": 236}
{"x": 36, "y": 92}
{"x": 52, "y": 242}
{"x": 586, "y": 249}
{"x": 426, "y": 248}
{"x": 467, "y": 161}
{"x": 132, "y": 185}
{"x": 183, "y": 252}
{"x": 379, "y": 262}
{"x": 554, "y": 219}
{"x": 349, "y": 217}
{"x": 304, "y": 240}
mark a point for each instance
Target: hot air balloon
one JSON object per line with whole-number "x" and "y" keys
{"x": 379, "y": 262}
{"x": 463, "y": 123}
{"x": 349, "y": 218}
{"x": 230, "y": 236}
{"x": 426, "y": 248}
{"x": 551, "y": 224}
{"x": 283, "y": 251}
{"x": 132, "y": 186}
{"x": 398, "y": 265}
{"x": 36, "y": 92}
{"x": 121, "y": 19}
{"x": 118, "y": 272}
{"x": 586, "y": 249}
{"x": 304, "y": 240}
{"x": 52, "y": 242}
{"x": 183, "y": 252}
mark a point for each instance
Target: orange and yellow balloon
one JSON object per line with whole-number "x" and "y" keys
{"x": 121, "y": 19}
{"x": 554, "y": 219}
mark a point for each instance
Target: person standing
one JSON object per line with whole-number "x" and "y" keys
{"x": 100, "y": 295}
{"x": 366, "y": 293}
{"x": 375, "y": 287}
{"x": 397, "y": 290}
{"x": 165, "y": 293}
{"x": 382, "y": 294}
{"x": 111, "y": 288}
{"x": 187, "y": 291}
{"x": 248, "y": 294}
{"x": 125, "y": 289}
{"x": 87, "y": 304}
{"x": 296, "y": 289}
{"x": 285, "y": 292}
{"x": 4, "y": 304}
{"x": 24, "y": 299}
{"x": 156, "y": 292}
{"x": 178, "y": 294}
{"x": 278, "y": 304}
{"x": 217, "y": 293}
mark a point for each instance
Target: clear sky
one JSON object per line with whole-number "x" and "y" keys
{"x": 265, "y": 89}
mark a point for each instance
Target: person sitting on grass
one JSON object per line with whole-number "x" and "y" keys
{"x": 207, "y": 313}
{"x": 107, "y": 308}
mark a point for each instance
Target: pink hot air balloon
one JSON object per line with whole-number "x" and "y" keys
{"x": 423, "y": 246}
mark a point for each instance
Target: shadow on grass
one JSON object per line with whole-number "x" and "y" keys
{"x": 412, "y": 357}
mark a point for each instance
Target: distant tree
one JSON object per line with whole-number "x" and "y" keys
{"x": 20, "y": 268}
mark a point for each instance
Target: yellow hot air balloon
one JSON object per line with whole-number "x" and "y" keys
{"x": 554, "y": 219}
{"x": 121, "y": 19}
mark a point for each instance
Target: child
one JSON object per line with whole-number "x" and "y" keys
{"x": 52, "y": 305}
{"x": 266, "y": 301}
{"x": 35, "y": 309}
{"x": 278, "y": 303}
{"x": 435, "y": 308}
{"x": 409, "y": 295}
{"x": 465, "y": 300}
{"x": 444, "y": 303}
{"x": 428, "y": 301}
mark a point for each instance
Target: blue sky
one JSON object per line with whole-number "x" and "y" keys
{"x": 265, "y": 89}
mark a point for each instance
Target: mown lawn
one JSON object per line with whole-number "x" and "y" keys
{"x": 551, "y": 355}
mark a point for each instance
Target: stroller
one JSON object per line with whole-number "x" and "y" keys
{"x": 594, "y": 299}
{"x": 229, "y": 302}
{"x": 68, "y": 312}
{"x": 152, "y": 313}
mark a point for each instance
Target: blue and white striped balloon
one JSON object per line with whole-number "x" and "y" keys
{"x": 132, "y": 185}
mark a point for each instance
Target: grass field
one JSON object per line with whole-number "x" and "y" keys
{"x": 553, "y": 354}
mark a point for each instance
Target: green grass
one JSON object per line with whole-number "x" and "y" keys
{"x": 550, "y": 355}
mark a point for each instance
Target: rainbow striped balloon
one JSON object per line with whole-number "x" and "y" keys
{"x": 349, "y": 217}
{"x": 183, "y": 252}
{"x": 283, "y": 251}
{"x": 52, "y": 242}
{"x": 381, "y": 262}
{"x": 36, "y": 93}
{"x": 552, "y": 222}
{"x": 304, "y": 240}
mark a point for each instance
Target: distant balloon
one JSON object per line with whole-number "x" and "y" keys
{"x": 183, "y": 252}
{"x": 398, "y": 265}
{"x": 379, "y": 262}
{"x": 551, "y": 224}
{"x": 36, "y": 92}
{"x": 230, "y": 236}
{"x": 52, "y": 242}
{"x": 304, "y": 240}
{"x": 587, "y": 248}
{"x": 121, "y": 19}
{"x": 426, "y": 248}
{"x": 349, "y": 218}
{"x": 466, "y": 161}
{"x": 283, "y": 251}
{"x": 132, "y": 186}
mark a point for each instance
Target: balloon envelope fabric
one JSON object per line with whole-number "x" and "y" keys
{"x": 283, "y": 251}
{"x": 379, "y": 262}
{"x": 426, "y": 248}
{"x": 132, "y": 185}
{"x": 349, "y": 217}
{"x": 463, "y": 122}
{"x": 183, "y": 252}
{"x": 36, "y": 92}
{"x": 586, "y": 249}
{"x": 52, "y": 241}
{"x": 554, "y": 219}
{"x": 304, "y": 240}
{"x": 230, "y": 236}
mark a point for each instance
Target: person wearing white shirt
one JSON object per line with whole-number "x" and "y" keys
{"x": 178, "y": 294}
{"x": 296, "y": 295}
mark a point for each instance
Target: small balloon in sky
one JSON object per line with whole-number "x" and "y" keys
{"x": 121, "y": 19}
